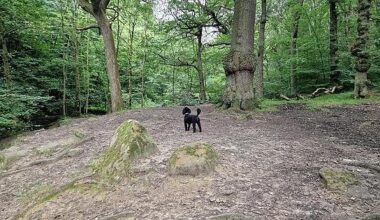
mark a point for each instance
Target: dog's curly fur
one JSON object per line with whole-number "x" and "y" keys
{"x": 191, "y": 119}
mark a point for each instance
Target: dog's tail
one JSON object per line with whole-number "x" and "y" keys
{"x": 198, "y": 112}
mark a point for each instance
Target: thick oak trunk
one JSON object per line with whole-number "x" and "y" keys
{"x": 259, "y": 75}
{"x": 239, "y": 63}
{"x": 334, "y": 72}
{"x": 111, "y": 60}
{"x": 359, "y": 50}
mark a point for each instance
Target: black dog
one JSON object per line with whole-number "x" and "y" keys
{"x": 191, "y": 119}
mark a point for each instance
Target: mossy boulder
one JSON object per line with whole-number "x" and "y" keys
{"x": 130, "y": 142}
{"x": 193, "y": 160}
{"x": 338, "y": 179}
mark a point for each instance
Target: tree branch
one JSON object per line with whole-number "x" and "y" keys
{"x": 179, "y": 62}
{"x": 104, "y": 3}
{"x": 218, "y": 44}
{"x": 93, "y": 26}
{"x": 86, "y": 5}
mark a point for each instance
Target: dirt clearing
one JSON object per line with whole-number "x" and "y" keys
{"x": 267, "y": 169}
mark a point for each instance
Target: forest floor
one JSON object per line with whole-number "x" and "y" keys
{"x": 268, "y": 167}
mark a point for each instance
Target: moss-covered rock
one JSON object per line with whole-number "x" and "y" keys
{"x": 338, "y": 179}
{"x": 130, "y": 141}
{"x": 193, "y": 160}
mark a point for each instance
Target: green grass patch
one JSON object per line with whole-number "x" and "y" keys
{"x": 339, "y": 100}
{"x": 65, "y": 121}
{"x": 318, "y": 103}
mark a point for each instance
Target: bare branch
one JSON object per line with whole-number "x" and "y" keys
{"x": 93, "y": 26}
{"x": 177, "y": 62}
{"x": 218, "y": 44}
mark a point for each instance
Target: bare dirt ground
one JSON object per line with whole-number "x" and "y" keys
{"x": 268, "y": 167}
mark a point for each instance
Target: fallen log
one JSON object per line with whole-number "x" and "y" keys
{"x": 285, "y": 97}
{"x": 321, "y": 91}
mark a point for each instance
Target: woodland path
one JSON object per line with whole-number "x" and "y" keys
{"x": 268, "y": 167}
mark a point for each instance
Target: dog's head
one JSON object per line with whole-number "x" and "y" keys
{"x": 186, "y": 110}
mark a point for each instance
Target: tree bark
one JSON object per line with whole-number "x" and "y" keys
{"x": 293, "y": 51}
{"x": 259, "y": 76}
{"x": 334, "y": 72}
{"x": 202, "y": 90}
{"x": 173, "y": 83}
{"x": 239, "y": 63}
{"x": 64, "y": 73}
{"x": 64, "y": 57}
{"x": 359, "y": 50}
{"x": 143, "y": 67}
{"x": 78, "y": 104}
{"x": 88, "y": 75}
{"x": 97, "y": 8}
{"x": 130, "y": 69}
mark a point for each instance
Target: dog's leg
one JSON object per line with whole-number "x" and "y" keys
{"x": 199, "y": 126}
{"x": 194, "y": 129}
{"x": 188, "y": 127}
{"x": 185, "y": 126}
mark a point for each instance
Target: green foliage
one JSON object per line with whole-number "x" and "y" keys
{"x": 17, "y": 111}
{"x": 158, "y": 64}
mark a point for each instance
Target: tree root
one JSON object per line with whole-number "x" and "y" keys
{"x": 361, "y": 164}
{"x": 118, "y": 216}
{"x": 62, "y": 154}
{"x": 51, "y": 195}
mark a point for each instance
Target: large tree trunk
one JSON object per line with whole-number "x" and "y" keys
{"x": 334, "y": 72}
{"x": 78, "y": 104}
{"x": 239, "y": 63}
{"x": 259, "y": 75}
{"x": 202, "y": 90}
{"x": 6, "y": 64}
{"x": 293, "y": 50}
{"x": 64, "y": 73}
{"x": 359, "y": 50}
{"x": 97, "y": 8}
{"x": 88, "y": 75}
{"x": 64, "y": 57}
{"x": 130, "y": 69}
{"x": 111, "y": 59}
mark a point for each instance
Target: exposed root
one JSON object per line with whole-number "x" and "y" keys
{"x": 63, "y": 153}
{"x": 361, "y": 164}
{"x": 121, "y": 215}
{"x": 54, "y": 193}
